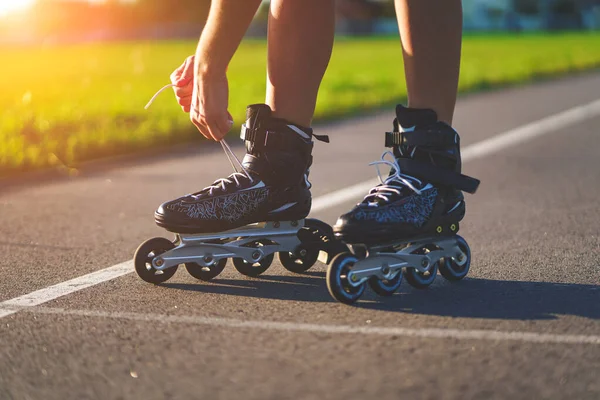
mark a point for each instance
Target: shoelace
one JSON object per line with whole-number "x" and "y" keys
{"x": 393, "y": 183}
{"x": 219, "y": 183}
{"x": 235, "y": 177}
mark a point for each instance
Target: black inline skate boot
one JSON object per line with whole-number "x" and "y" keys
{"x": 256, "y": 212}
{"x": 422, "y": 194}
{"x": 272, "y": 185}
{"x": 407, "y": 225}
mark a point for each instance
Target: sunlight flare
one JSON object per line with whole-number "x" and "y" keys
{"x": 12, "y": 6}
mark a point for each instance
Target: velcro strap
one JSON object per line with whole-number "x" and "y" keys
{"x": 247, "y": 133}
{"x": 265, "y": 138}
{"x": 420, "y": 138}
{"x": 437, "y": 175}
{"x": 262, "y": 138}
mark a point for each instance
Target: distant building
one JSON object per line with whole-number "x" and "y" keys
{"x": 531, "y": 14}
{"x": 376, "y": 16}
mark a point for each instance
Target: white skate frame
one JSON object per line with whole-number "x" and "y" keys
{"x": 193, "y": 247}
{"x": 387, "y": 265}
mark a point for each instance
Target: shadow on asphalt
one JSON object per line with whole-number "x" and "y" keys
{"x": 310, "y": 287}
{"x": 470, "y": 298}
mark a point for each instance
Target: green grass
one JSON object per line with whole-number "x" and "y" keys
{"x": 74, "y": 103}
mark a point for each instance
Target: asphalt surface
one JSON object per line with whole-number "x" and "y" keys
{"x": 533, "y": 228}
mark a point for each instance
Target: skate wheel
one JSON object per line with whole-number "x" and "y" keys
{"x": 421, "y": 280}
{"x": 299, "y": 261}
{"x": 450, "y": 269}
{"x": 337, "y": 281}
{"x": 206, "y": 273}
{"x": 143, "y": 260}
{"x": 386, "y": 287}
{"x": 253, "y": 269}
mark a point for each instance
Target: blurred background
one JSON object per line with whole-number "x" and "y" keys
{"x": 68, "y": 21}
{"x": 75, "y": 74}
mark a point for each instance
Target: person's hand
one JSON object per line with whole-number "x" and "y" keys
{"x": 210, "y": 98}
{"x": 205, "y": 96}
{"x": 183, "y": 79}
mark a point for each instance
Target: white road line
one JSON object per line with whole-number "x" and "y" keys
{"x": 5, "y": 312}
{"x": 354, "y": 192}
{"x": 478, "y": 150}
{"x": 434, "y": 333}
{"x": 472, "y": 152}
{"x": 41, "y": 296}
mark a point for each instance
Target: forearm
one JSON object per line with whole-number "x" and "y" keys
{"x": 227, "y": 23}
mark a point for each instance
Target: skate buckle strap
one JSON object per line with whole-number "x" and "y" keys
{"x": 321, "y": 138}
{"x": 264, "y": 138}
{"x": 420, "y": 138}
{"x": 437, "y": 175}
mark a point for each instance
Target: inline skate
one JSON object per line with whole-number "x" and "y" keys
{"x": 257, "y": 211}
{"x": 408, "y": 224}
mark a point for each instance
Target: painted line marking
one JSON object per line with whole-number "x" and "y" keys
{"x": 5, "y": 312}
{"x": 432, "y": 333}
{"x": 472, "y": 152}
{"x": 42, "y": 296}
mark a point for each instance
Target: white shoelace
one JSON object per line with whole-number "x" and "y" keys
{"x": 393, "y": 183}
{"x": 219, "y": 183}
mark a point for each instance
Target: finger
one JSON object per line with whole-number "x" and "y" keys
{"x": 223, "y": 125}
{"x": 186, "y": 109}
{"x": 183, "y": 74}
{"x": 200, "y": 123}
{"x": 210, "y": 127}
{"x": 219, "y": 126}
{"x": 203, "y": 130}
{"x": 187, "y": 74}
{"x": 183, "y": 81}
{"x": 185, "y": 101}
{"x": 184, "y": 91}
{"x": 214, "y": 132}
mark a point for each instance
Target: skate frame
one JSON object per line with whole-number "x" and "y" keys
{"x": 195, "y": 247}
{"x": 387, "y": 265}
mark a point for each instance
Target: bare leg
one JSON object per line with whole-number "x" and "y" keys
{"x": 300, "y": 40}
{"x": 431, "y": 33}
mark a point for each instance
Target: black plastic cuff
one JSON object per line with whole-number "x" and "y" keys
{"x": 437, "y": 175}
